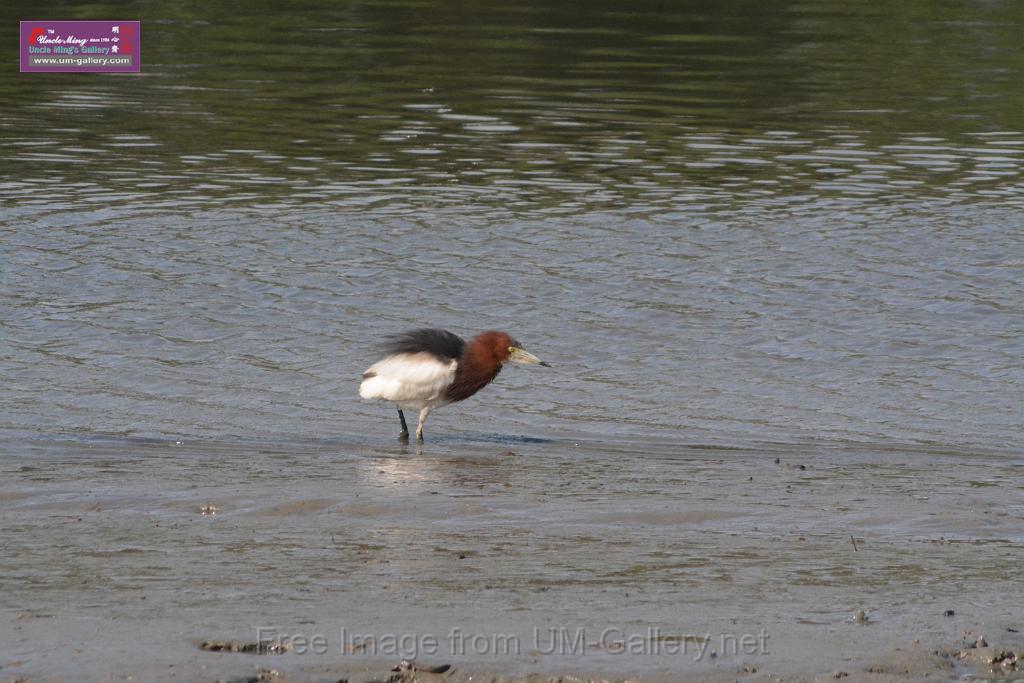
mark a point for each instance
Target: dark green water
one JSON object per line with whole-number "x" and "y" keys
{"x": 530, "y": 105}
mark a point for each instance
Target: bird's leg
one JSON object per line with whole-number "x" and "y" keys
{"x": 404, "y": 436}
{"x": 423, "y": 418}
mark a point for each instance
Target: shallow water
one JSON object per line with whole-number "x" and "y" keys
{"x": 738, "y": 233}
{"x": 721, "y": 227}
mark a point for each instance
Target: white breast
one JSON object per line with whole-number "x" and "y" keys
{"x": 413, "y": 380}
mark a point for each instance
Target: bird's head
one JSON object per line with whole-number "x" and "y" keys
{"x": 508, "y": 350}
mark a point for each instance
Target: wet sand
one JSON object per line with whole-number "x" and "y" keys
{"x": 505, "y": 559}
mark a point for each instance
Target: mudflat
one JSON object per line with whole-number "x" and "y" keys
{"x": 472, "y": 560}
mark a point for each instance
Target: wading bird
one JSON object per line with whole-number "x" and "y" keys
{"x": 424, "y": 369}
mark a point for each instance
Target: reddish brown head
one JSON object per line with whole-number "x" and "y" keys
{"x": 496, "y": 345}
{"x": 482, "y": 361}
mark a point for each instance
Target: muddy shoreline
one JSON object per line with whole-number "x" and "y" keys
{"x": 973, "y": 658}
{"x": 122, "y": 558}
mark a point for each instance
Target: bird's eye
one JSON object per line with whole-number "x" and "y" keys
{"x": 511, "y": 349}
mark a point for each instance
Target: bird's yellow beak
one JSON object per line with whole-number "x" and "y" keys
{"x": 518, "y": 355}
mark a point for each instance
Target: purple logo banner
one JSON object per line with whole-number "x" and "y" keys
{"x": 90, "y": 46}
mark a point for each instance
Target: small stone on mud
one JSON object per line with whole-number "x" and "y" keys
{"x": 860, "y": 617}
{"x": 840, "y": 674}
{"x": 262, "y": 648}
{"x": 261, "y": 676}
{"x": 989, "y": 656}
{"x": 410, "y": 665}
{"x": 949, "y": 613}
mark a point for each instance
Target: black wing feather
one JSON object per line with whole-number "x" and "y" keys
{"x": 439, "y": 343}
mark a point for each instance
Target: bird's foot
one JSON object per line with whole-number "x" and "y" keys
{"x": 404, "y": 437}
